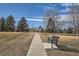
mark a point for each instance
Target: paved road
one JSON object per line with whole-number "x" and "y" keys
{"x": 36, "y": 48}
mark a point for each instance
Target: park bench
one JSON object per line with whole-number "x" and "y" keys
{"x": 54, "y": 41}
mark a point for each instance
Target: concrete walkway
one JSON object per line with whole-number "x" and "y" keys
{"x": 36, "y": 48}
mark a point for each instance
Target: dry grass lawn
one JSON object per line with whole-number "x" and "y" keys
{"x": 15, "y": 43}
{"x": 66, "y": 40}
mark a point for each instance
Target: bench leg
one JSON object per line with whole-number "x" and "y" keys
{"x": 54, "y": 45}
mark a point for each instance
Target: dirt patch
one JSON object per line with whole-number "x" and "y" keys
{"x": 54, "y": 52}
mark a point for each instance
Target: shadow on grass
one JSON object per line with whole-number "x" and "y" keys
{"x": 68, "y": 48}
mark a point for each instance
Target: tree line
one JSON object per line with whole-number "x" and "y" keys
{"x": 52, "y": 16}
{"x": 8, "y": 24}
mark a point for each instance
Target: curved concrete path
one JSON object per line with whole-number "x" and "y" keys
{"x": 36, "y": 48}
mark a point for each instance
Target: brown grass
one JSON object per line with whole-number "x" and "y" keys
{"x": 15, "y": 43}
{"x": 67, "y": 40}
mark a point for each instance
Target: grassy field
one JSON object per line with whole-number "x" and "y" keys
{"x": 67, "y": 40}
{"x": 15, "y": 43}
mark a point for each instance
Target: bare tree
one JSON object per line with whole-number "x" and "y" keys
{"x": 74, "y": 16}
{"x": 50, "y": 20}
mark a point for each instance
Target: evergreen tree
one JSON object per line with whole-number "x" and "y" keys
{"x": 10, "y": 23}
{"x": 2, "y": 24}
{"x": 22, "y": 25}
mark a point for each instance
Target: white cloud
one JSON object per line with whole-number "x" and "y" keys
{"x": 43, "y": 7}
{"x": 46, "y": 7}
{"x": 66, "y": 4}
{"x": 63, "y": 18}
{"x": 31, "y": 19}
{"x": 35, "y": 19}
{"x": 65, "y": 10}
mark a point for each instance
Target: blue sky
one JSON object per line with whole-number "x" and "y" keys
{"x": 31, "y": 11}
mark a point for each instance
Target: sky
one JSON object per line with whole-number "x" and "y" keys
{"x": 31, "y": 11}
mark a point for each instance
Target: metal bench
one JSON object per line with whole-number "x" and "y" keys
{"x": 53, "y": 40}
